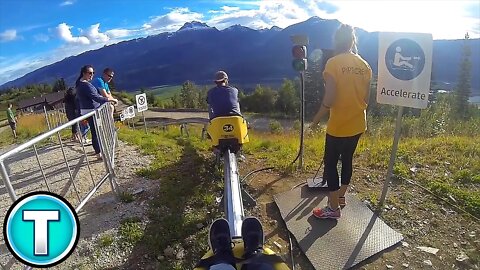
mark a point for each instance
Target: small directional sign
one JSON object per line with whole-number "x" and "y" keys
{"x": 129, "y": 112}
{"x": 122, "y": 117}
{"x": 141, "y": 102}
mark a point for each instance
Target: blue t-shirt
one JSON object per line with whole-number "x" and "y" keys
{"x": 99, "y": 83}
{"x": 223, "y": 101}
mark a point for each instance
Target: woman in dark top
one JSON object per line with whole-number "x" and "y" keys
{"x": 71, "y": 110}
{"x": 89, "y": 99}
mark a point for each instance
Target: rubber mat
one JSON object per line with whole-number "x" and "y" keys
{"x": 334, "y": 244}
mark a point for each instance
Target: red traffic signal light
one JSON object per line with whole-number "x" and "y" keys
{"x": 299, "y": 52}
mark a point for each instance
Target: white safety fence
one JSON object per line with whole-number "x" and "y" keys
{"x": 51, "y": 163}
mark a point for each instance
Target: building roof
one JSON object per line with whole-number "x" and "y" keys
{"x": 22, "y": 104}
{"x": 55, "y": 97}
{"x": 51, "y": 98}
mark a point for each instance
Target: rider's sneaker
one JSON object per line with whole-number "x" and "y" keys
{"x": 220, "y": 241}
{"x": 326, "y": 212}
{"x": 253, "y": 237}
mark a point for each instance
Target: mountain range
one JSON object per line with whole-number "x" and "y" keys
{"x": 196, "y": 51}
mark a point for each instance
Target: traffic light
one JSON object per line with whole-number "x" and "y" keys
{"x": 299, "y": 54}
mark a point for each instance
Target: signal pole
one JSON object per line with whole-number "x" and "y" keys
{"x": 299, "y": 63}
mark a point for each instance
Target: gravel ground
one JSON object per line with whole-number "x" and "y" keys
{"x": 101, "y": 216}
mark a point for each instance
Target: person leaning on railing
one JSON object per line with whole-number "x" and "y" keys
{"x": 89, "y": 99}
{"x": 101, "y": 83}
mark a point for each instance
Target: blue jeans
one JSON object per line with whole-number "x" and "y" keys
{"x": 93, "y": 130}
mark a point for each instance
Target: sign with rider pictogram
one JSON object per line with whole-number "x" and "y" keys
{"x": 141, "y": 102}
{"x": 129, "y": 112}
{"x": 404, "y": 69}
{"x": 122, "y": 117}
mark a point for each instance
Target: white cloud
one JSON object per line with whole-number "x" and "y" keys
{"x": 63, "y": 31}
{"x": 225, "y": 9}
{"x": 93, "y": 34}
{"x": 120, "y": 33}
{"x": 17, "y": 66}
{"x": 265, "y": 15}
{"x": 67, "y": 3}
{"x": 8, "y": 35}
{"x": 171, "y": 21}
{"x": 444, "y": 19}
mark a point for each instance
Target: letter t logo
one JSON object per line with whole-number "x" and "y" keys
{"x": 40, "y": 220}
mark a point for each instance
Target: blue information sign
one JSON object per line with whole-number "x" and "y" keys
{"x": 405, "y": 59}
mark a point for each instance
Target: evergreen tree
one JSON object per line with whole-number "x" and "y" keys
{"x": 262, "y": 100}
{"x": 463, "y": 86}
{"x": 150, "y": 98}
{"x": 176, "y": 103}
{"x": 189, "y": 95}
{"x": 202, "y": 98}
{"x": 59, "y": 85}
{"x": 288, "y": 101}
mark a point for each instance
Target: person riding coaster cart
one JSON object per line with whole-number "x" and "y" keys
{"x": 244, "y": 251}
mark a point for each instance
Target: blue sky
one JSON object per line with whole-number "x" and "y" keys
{"x": 35, "y": 33}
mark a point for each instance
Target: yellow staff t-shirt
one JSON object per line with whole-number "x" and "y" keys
{"x": 352, "y": 75}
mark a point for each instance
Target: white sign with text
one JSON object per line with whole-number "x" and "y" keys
{"x": 404, "y": 69}
{"x": 141, "y": 102}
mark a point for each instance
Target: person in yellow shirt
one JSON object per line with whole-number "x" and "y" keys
{"x": 347, "y": 89}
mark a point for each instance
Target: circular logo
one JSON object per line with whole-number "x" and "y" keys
{"x": 405, "y": 59}
{"x": 228, "y": 128}
{"x": 41, "y": 229}
{"x": 141, "y": 100}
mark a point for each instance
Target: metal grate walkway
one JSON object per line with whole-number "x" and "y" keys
{"x": 334, "y": 244}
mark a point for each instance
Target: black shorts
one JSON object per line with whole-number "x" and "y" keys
{"x": 13, "y": 125}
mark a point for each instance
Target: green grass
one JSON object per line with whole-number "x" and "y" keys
{"x": 447, "y": 165}
{"x": 105, "y": 240}
{"x": 165, "y": 92}
{"x": 186, "y": 198}
{"x": 130, "y": 231}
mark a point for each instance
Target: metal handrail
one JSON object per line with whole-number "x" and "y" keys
{"x": 107, "y": 138}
